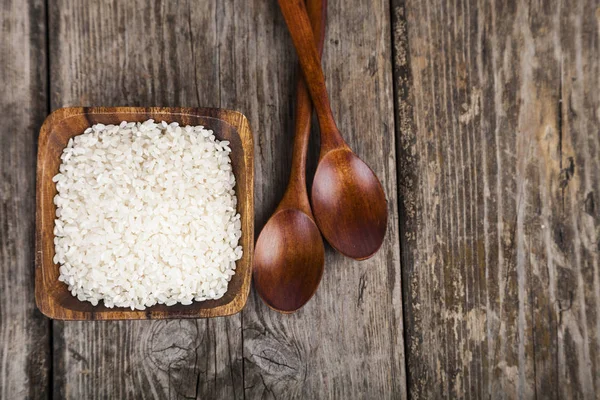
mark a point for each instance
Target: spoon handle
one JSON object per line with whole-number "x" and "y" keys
{"x": 296, "y": 17}
{"x": 317, "y": 12}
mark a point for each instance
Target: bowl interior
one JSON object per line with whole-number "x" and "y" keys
{"x": 54, "y": 298}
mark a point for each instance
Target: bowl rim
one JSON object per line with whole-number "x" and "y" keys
{"x": 52, "y": 308}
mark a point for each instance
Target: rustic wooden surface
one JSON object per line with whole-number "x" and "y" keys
{"x": 498, "y": 110}
{"x": 496, "y": 151}
{"x": 24, "y": 332}
{"x": 237, "y": 55}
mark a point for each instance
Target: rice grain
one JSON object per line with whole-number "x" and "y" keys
{"x": 146, "y": 214}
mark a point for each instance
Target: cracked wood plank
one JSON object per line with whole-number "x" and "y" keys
{"x": 498, "y": 109}
{"x": 142, "y": 53}
{"x": 347, "y": 342}
{"x": 24, "y": 332}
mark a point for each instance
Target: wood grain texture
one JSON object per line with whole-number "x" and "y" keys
{"x": 236, "y": 54}
{"x": 53, "y": 297}
{"x": 24, "y": 338}
{"x": 499, "y": 149}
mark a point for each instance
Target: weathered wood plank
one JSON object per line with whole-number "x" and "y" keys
{"x": 498, "y": 106}
{"x": 141, "y": 53}
{"x": 24, "y": 339}
{"x": 347, "y": 342}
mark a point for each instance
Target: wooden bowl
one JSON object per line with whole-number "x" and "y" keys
{"x": 52, "y": 296}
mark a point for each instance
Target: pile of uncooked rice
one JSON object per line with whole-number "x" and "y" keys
{"x": 146, "y": 214}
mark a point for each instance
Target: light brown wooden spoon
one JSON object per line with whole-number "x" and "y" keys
{"x": 289, "y": 254}
{"x": 348, "y": 200}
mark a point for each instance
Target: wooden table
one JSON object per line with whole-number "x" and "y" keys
{"x": 482, "y": 120}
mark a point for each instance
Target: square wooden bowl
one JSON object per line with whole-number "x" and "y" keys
{"x": 52, "y": 296}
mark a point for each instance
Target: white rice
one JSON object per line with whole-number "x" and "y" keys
{"x": 146, "y": 214}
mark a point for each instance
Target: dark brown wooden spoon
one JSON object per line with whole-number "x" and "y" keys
{"x": 348, "y": 200}
{"x": 289, "y": 254}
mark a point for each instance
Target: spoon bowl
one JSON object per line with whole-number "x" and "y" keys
{"x": 289, "y": 265}
{"x": 349, "y": 204}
